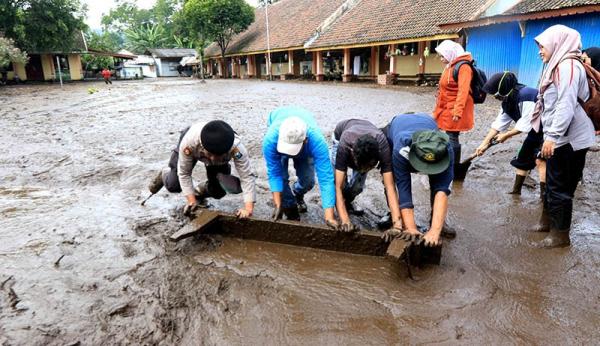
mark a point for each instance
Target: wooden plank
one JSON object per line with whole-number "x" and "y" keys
{"x": 397, "y": 248}
{"x": 301, "y": 234}
{"x": 199, "y": 224}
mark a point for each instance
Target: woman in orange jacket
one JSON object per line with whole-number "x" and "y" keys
{"x": 454, "y": 108}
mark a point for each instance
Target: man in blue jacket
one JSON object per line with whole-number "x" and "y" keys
{"x": 293, "y": 134}
{"x": 419, "y": 147}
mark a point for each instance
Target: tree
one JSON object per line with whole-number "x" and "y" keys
{"x": 42, "y": 25}
{"x": 218, "y": 20}
{"x": 50, "y": 25}
{"x": 144, "y": 37}
{"x": 9, "y": 53}
{"x": 105, "y": 41}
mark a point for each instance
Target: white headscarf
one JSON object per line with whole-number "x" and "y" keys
{"x": 450, "y": 50}
{"x": 561, "y": 42}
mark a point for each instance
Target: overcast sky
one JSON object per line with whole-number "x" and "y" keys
{"x": 98, "y": 7}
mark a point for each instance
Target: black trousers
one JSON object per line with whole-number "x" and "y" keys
{"x": 563, "y": 172}
{"x": 212, "y": 188}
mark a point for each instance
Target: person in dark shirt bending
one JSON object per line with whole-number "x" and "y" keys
{"x": 361, "y": 146}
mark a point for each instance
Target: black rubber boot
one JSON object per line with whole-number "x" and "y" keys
{"x": 385, "y": 222}
{"x": 555, "y": 239}
{"x": 542, "y": 190}
{"x": 518, "y": 185}
{"x": 292, "y": 213}
{"x": 156, "y": 184}
{"x": 457, "y": 157}
{"x": 354, "y": 209}
{"x": 302, "y": 208}
{"x": 544, "y": 223}
{"x": 201, "y": 193}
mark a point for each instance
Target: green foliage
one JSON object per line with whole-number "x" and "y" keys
{"x": 51, "y": 25}
{"x": 218, "y": 20}
{"x": 42, "y": 25}
{"x": 9, "y": 53}
{"x": 144, "y": 37}
{"x": 105, "y": 41}
{"x": 126, "y": 15}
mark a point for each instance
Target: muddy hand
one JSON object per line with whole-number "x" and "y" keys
{"x": 189, "y": 209}
{"x": 348, "y": 227}
{"x": 243, "y": 214}
{"x": 277, "y": 214}
{"x": 390, "y": 234}
{"x": 410, "y": 236}
{"x": 431, "y": 240}
{"x": 332, "y": 224}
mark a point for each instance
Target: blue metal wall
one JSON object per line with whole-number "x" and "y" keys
{"x": 530, "y": 67}
{"x": 500, "y": 47}
{"x": 496, "y": 48}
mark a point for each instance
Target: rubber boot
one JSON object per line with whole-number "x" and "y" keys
{"x": 457, "y": 156}
{"x": 385, "y": 222}
{"x": 555, "y": 239}
{"x": 201, "y": 193}
{"x": 156, "y": 184}
{"x": 518, "y": 185}
{"x": 542, "y": 190}
{"x": 292, "y": 213}
{"x": 354, "y": 209}
{"x": 302, "y": 208}
{"x": 544, "y": 223}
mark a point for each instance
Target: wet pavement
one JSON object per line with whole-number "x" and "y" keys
{"x": 81, "y": 262}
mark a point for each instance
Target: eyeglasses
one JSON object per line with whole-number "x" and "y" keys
{"x": 497, "y": 94}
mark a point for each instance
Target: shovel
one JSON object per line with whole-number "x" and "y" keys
{"x": 461, "y": 169}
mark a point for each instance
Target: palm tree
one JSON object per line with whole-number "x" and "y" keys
{"x": 146, "y": 36}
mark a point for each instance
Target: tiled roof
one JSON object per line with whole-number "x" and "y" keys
{"x": 388, "y": 20}
{"x": 528, "y": 6}
{"x": 528, "y": 10}
{"x": 171, "y": 52}
{"x": 291, "y": 24}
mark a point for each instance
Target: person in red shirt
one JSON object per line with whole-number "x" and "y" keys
{"x": 106, "y": 74}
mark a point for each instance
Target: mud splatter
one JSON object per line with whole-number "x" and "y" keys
{"x": 74, "y": 171}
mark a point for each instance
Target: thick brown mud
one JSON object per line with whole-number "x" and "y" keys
{"x": 82, "y": 263}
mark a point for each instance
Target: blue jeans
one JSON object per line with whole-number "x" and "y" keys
{"x": 305, "y": 171}
{"x": 356, "y": 185}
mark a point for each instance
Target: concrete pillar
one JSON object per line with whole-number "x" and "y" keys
{"x": 249, "y": 65}
{"x": 392, "y": 69}
{"x": 347, "y": 77}
{"x": 374, "y": 65}
{"x": 314, "y": 63}
{"x": 75, "y": 68}
{"x": 220, "y": 67}
{"x": 422, "y": 59}
{"x": 209, "y": 67}
{"x": 290, "y": 62}
{"x": 234, "y": 73}
{"x": 47, "y": 66}
{"x": 319, "y": 58}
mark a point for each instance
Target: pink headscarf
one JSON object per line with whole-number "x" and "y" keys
{"x": 450, "y": 50}
{"x": 562, "y": 43}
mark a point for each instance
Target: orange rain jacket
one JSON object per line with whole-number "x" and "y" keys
{"x": 455, "y": 98}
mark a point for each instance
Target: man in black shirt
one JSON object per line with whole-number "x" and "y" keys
{"x": 361, "y": 146}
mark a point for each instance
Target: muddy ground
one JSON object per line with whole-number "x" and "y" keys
{"x": 81, "y": 262}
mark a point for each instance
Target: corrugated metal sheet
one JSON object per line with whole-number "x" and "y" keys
{"x": 496, "y": 48}
{"x": 531, "y": 66}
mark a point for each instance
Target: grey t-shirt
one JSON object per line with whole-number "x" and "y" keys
{"x": 347, "y": 132}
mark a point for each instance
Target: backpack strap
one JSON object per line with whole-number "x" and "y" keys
{"x": 457, "y": 68}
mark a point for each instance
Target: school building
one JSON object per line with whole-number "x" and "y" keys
{"x": 502, "y": 37}
{"x": 350, "y": 40}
